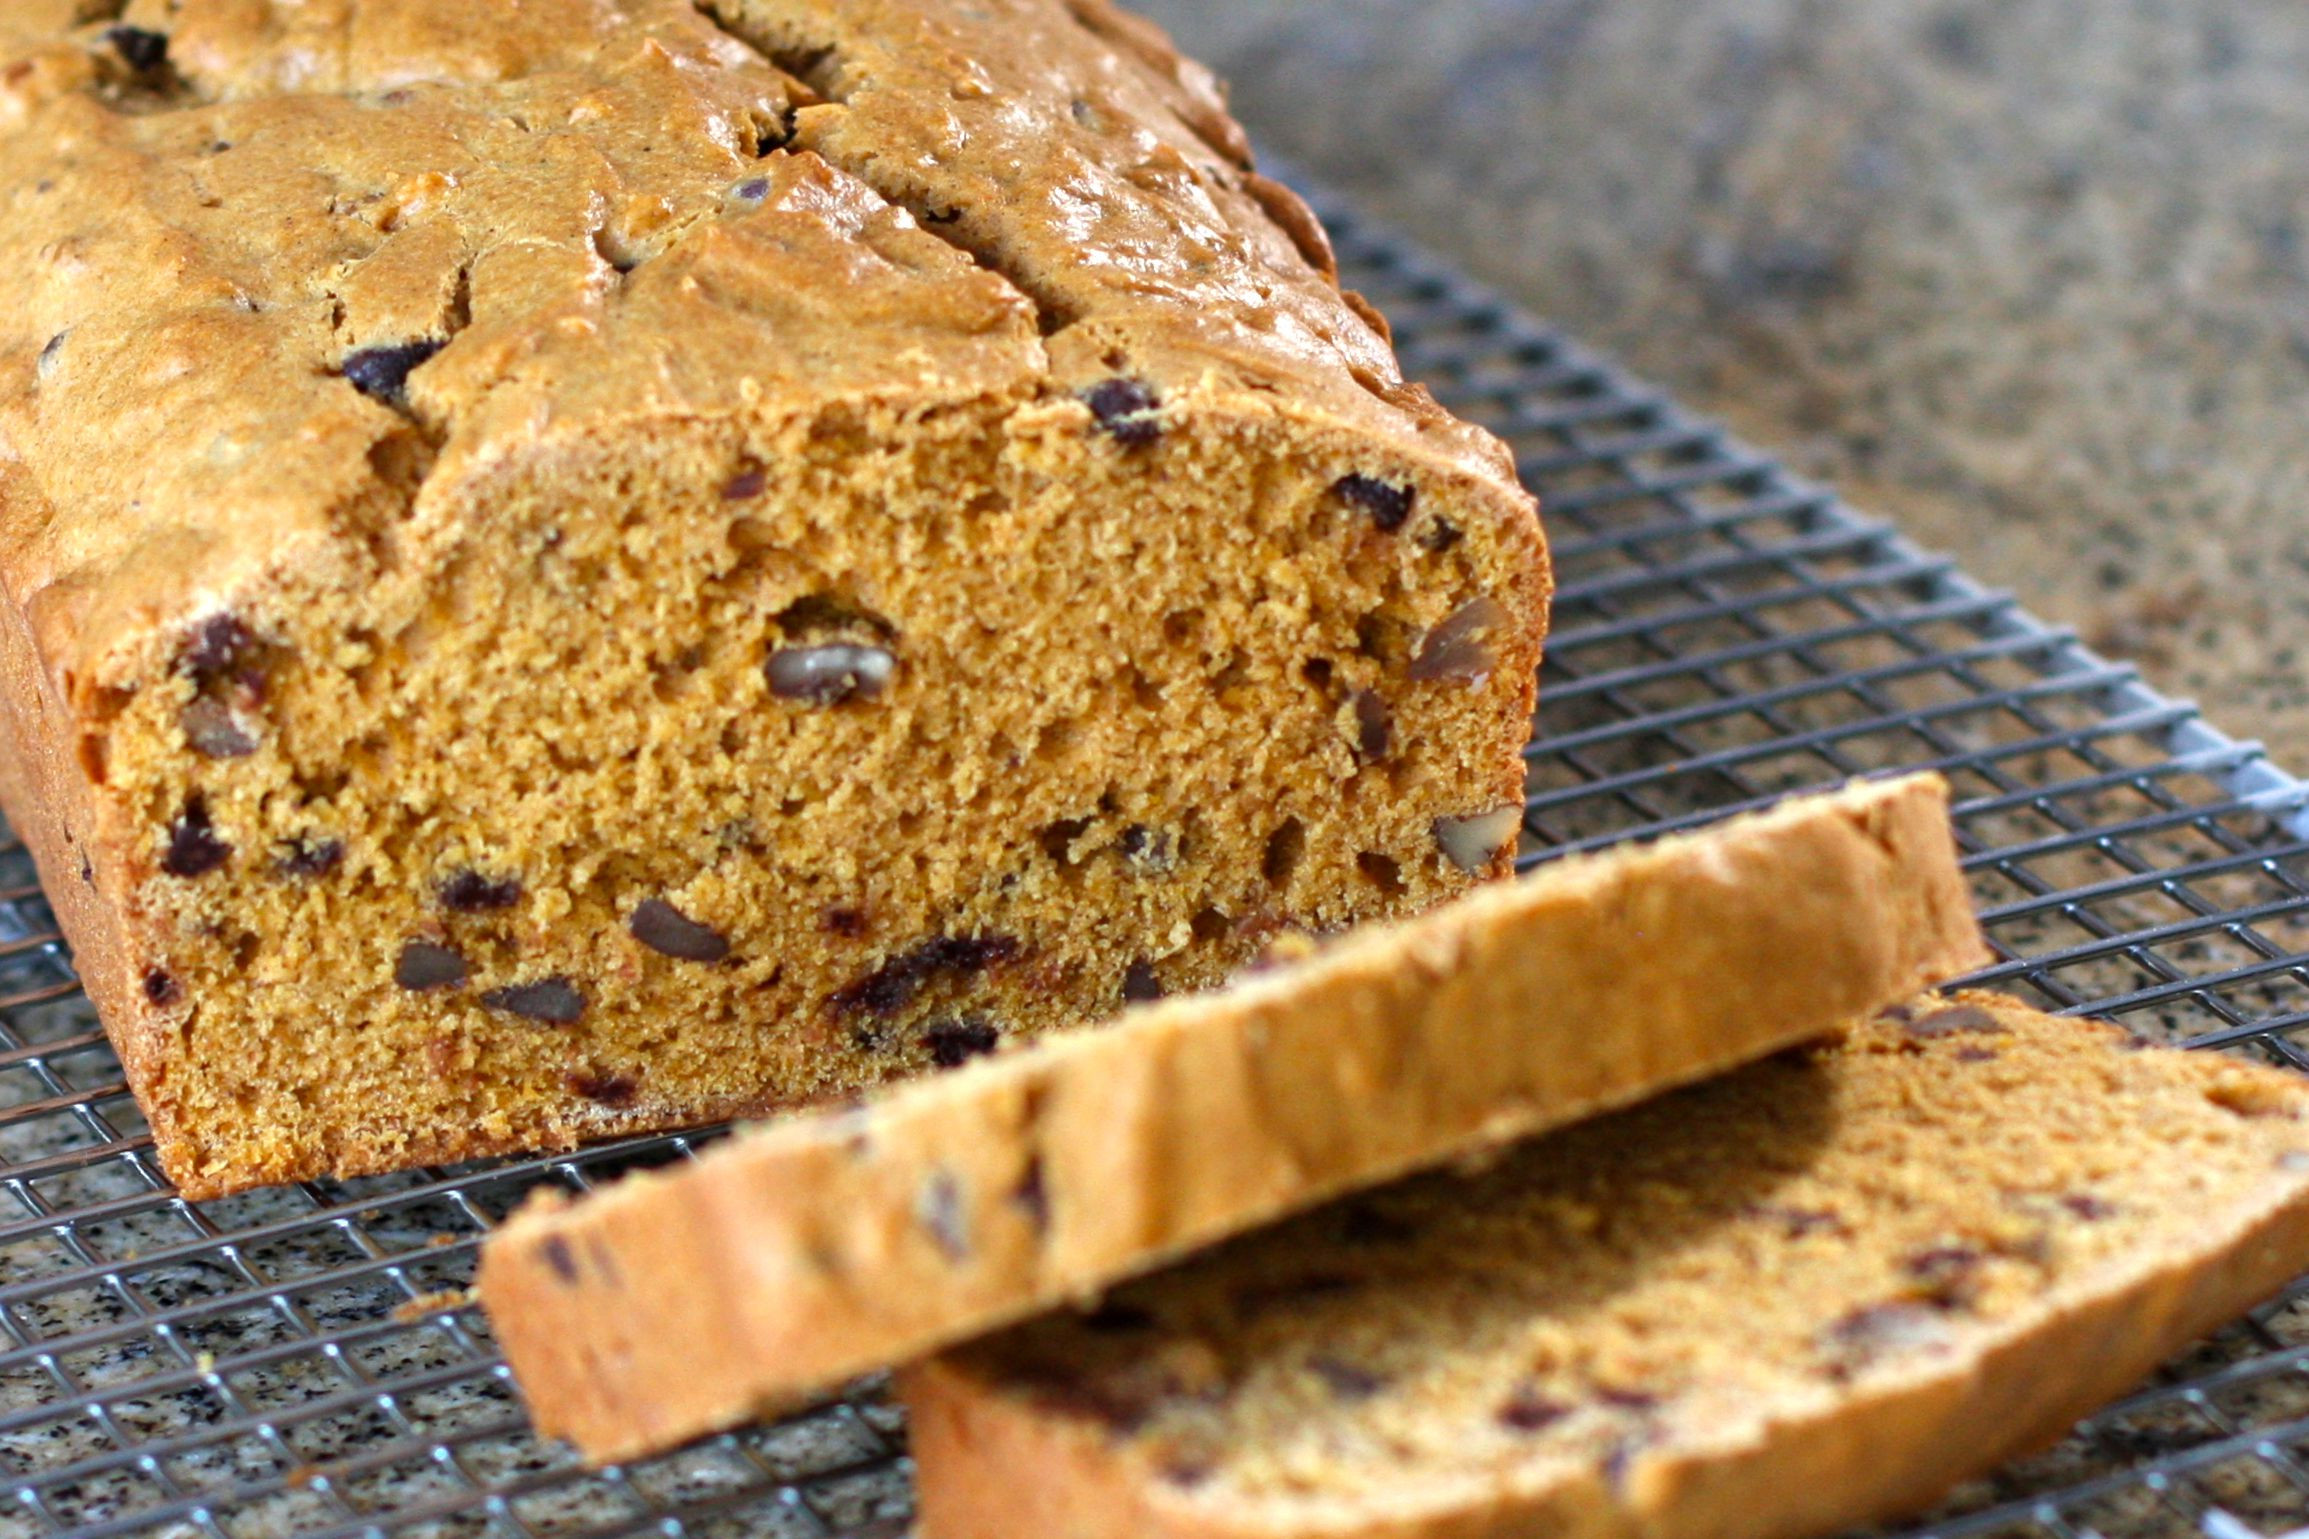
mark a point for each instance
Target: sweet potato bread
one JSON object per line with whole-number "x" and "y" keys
{"x": 1815, "y": 1292}
{"x": 602, "y": 564}
{"x": 820, "y": 1247}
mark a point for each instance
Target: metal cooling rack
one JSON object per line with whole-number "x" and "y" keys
{"x": 269, "y": 1365}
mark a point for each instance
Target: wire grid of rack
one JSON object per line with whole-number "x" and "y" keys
{"x": 278, "y": 1364}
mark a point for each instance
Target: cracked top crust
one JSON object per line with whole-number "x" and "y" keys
{"x": 611, "y": 212}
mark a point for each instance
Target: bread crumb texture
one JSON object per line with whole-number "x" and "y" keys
{"x": 1622, "y": 1327}
{"x": 603, "y": 564}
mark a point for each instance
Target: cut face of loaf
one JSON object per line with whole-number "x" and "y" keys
{"x": 788, "y": 1260}
{"x": 1814, "y": 1293}
{"x": 580, "y": 597}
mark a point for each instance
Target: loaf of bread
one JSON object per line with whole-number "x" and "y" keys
{"x": 1811, "y": 1294}
{"x": 604, "y": 564}
{"x": 791, "y": 1259}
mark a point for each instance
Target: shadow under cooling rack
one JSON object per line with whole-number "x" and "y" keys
{"x": 279, "y": 1364}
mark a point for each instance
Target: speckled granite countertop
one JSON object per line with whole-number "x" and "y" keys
{"x": 2030, "y": 276}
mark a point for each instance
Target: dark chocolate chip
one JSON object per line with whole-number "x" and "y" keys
{"x": 1527, "y": 1410}
{"x": 1114, "y": 1318}
{"x": 1032, "y": 1197}
{"x": 1374, "y": 726}
{"x": 668, "y": 931}
{"x": 746, "y": 483}
{"x": 1459, "y": 649}
{"x": 554, "y": 1001}
{"x": 159, "y": 987}
{"x": 1139, "y": 983}
{"x": 1125, "y": 410}
{"x": 215, "y": 648}
{"x": 139, "y": 48}
{"x": 892, "y": 986}
{"x": 559, "y": 1257}
{"x": 1346, "y": 1380}
{"x": 940, "y": 1211}
{"x": 954, "y": 1043}
{"x": 616, "y": 1091}
{"x": 2088, "y": 1207}
{"x": 830, "y": 674}
{"x": 1440, "y": 535}
{"x": 1942, "y": 1023}
{"x": 311, "y": 857}
{"x": 193, "y": 847}
{"x": 424, "y": 965}
{"x": 469, "y": 892}
{"x": 382, "y": 373}
{"x": 211, "y": 731}
{"x": 1389, "y": 506}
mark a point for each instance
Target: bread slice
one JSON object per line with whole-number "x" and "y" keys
{"x": 599, "y": 565}
{"x": 791, "y": 1259}
{"x": 1813, "y": 1293}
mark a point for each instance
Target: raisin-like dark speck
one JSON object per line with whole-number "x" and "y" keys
{"x": 216, "y": 645}
{"x": 2088, "y": 1207}
{"x": 193, "y": 846}
{"x": 1150, "y": 850}
{"x": 382, "y": 373}
{"x": 139, "y": 48}
{"x": 424, "y": 965}
{"x": 1125, "y": 410}
{"x": 311, "y": 857}
{"x": 668, "y": 931}
{"x": 894, "y": 984}
{"x": 615, "y": 1091}
{"x": 1529, "y": 1411}
{"x": 469, "y": 892}
{"x": 954, "y": 1043}
{"x": 554, "y": 1001}
{"x": 754, "y": 189}
{"x": 1374, "y": 726}
{"x": 1388, "y": 506}
{"x": 1439, "y": 536}
{"x": 159, "y": 987}
{"x": 1139, "y": 983}
{"x": 746, "y": 483}
{"x": 555, "y": 1252}
{"x": 849, "y": 923}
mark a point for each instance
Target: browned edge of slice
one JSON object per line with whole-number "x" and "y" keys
{"x": 991, "y": 1464}
{"x": 801, "y": 1255}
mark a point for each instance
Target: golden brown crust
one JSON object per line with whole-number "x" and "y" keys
{"x": 811, "y": 1251}
{"x": 995, "y": 1459}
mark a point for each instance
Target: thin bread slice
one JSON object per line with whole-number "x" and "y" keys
{"x": 818, "y": 1248}
{"x": 1814, "y": 1293}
